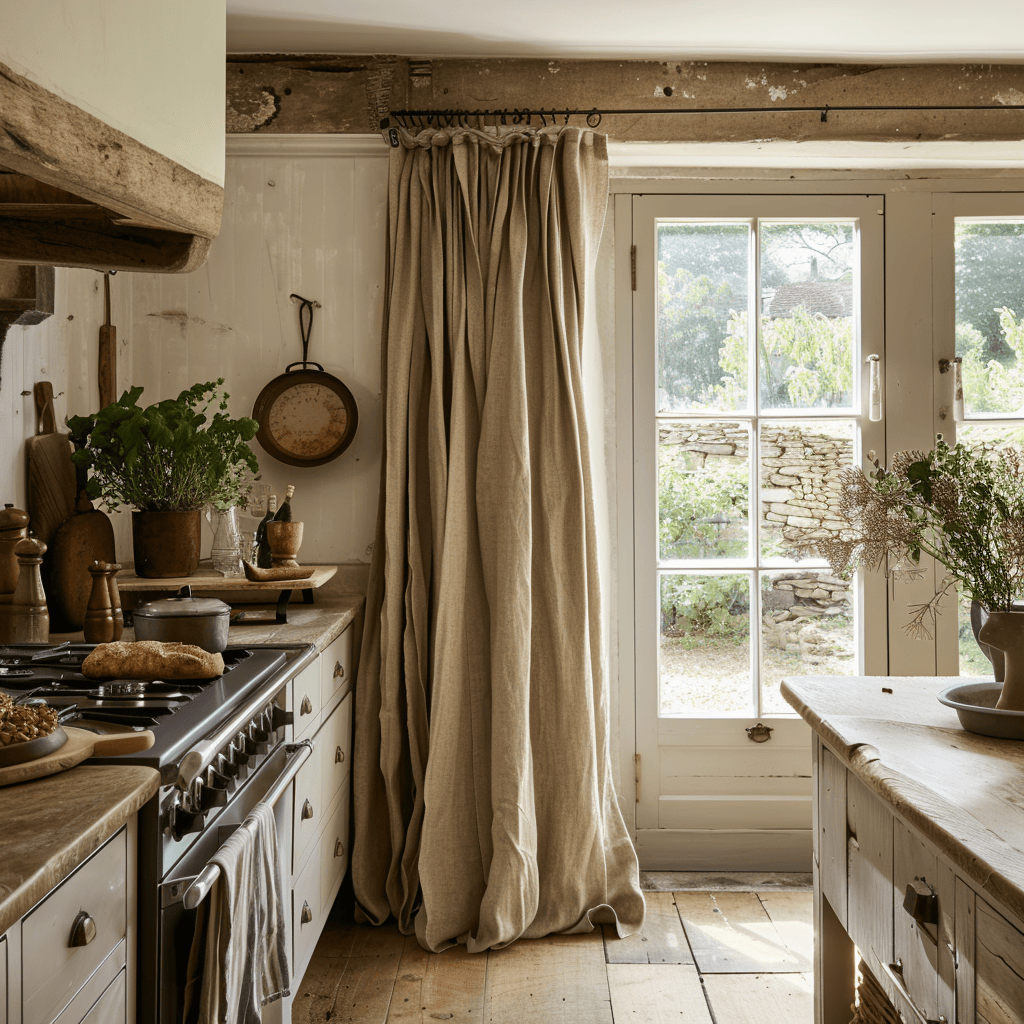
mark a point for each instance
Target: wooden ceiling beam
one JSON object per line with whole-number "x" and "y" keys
{"x": 47, "y": 138}
{"x": 338, "y": 94}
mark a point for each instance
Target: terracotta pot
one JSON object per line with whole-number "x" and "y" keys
{"x": 1004, "y": 631}
{"x": 166, "y": 544}
{"x": 284, "y": 540}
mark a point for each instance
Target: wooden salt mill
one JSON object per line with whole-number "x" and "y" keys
{"x": 101, "y": 623}
{"x": 13, "y": 527}
{"x": 28, "y": 620}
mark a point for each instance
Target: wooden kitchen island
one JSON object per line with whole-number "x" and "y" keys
{"x": 918, "y": 852}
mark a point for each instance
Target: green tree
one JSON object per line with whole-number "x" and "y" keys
{"x": 989, "y": 256}
{"x": 993, "y": 385}
{"x": 806, "y": 361}
{"x": 702, "y": 514}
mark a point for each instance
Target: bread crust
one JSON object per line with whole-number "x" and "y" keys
{"x": 151, "y": 659}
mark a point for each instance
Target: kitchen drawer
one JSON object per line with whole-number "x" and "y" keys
{"x": 306, "y": 701}
{"x": 108, "y": 1007}
{"x": 307, "y": 917}
{"x": 307, "y": 809}
{"x": 52, "y": 969}
{"x": 333, "y": 853}
{"x": 336, "y": 667}
{"x": 334, "y": 745}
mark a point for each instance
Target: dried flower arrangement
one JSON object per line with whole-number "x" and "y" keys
{"x": 962, "y": 505}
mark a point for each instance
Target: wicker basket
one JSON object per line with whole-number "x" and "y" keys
{"x": 872, "y": 1006}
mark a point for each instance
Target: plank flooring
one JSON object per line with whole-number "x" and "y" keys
{"x": 712, "y": 957}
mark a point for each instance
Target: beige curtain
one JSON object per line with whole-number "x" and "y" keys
{"x": 484, "y": 807}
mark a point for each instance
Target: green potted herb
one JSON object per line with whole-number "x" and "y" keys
{"x": 167, "y": 462}
{"x": 962, "y": 505}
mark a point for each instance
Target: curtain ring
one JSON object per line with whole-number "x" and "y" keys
{"x": 593, "y": 119}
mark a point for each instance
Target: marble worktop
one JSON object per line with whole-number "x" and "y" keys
{"x": 963, "y": 792}
{"x": 50, "y": 825}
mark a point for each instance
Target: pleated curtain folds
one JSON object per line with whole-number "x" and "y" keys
{"x": 484, "y": 805}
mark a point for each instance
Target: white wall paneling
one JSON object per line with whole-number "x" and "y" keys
{"x": 304, "y": 215}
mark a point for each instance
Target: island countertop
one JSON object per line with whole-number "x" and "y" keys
{"x": 963, "y": 792}
{"x": 50, "y": 825}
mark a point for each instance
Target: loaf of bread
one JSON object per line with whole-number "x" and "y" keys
{"x": 151, "y": 659}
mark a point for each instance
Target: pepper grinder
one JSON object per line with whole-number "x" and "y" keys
{"x": 99, "y": 615}
{"x": 28, "y": 620}
{"x": 13, "y": 527}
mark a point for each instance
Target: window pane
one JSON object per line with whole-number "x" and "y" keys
{"x": 990, "y": 314}
{"x": 703, "y": 490}
{"x": 702, "y": 302}
{"x": 807, "y": 628}
{"x": 704, "y": 660}
{"x": 806, "y": 344}
{"x": 800, "y": 467}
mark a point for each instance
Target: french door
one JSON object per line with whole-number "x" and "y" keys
{"x": 756, "y": 323}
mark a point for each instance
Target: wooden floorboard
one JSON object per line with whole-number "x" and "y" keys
{"x": 438, "y": 986}
{"x": 731, "y": 933}
{"x": 660, "y": 941}
{"x": 792, "y": 913}
{"x": 761, "y": 998}
{"x": 657, "y": 994}
{"x": 560, "y": 979}
{"x": 751, "y": 952}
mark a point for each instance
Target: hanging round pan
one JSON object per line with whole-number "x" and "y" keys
{"x": 307, "y": 416}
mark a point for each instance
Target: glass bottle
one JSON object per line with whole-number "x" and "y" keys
{"x": 263, "y": 557}
{"x": 224, "y": 552}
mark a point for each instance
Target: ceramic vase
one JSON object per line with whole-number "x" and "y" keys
{"x": 1004, "y": 631}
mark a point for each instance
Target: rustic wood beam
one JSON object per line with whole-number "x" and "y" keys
{"x": 51, "y": 140}
{"x": 90, "y": 243}
{"x": 332, "y": 94}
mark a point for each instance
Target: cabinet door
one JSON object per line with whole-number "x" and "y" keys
{"x": 915, "y": 942}
{"x": 999, "y": 968}
{"x": 869, "y": 869}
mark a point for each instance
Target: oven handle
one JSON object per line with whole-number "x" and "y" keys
{"x": 202, "y": 883}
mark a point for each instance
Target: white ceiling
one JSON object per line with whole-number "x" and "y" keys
{"x": 979, "y": 31}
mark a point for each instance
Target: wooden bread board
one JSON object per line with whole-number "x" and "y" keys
{"x": 80, "y": 745}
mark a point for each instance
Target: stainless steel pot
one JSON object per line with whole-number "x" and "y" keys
{"x": 202, "y": 621}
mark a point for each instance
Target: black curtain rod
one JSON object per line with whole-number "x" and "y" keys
{"x": 455, "y": 118}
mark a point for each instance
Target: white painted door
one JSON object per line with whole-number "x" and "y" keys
{"x": 753, "y": 317}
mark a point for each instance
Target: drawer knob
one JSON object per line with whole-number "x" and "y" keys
{"x": 307, "y": 915}
{"x": 306, "y": 707}
{"x": 339, "y": 848}
{"x": 83, "y": 930}
{"x": 307, "y": 810}
{"x": 339, "y": 670}
{"x": 921, "y": 902}
{"x": 339, "y": 755}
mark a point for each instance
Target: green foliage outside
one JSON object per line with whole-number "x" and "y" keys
{"x": 702, "y": 514}
{"x": 170, "y": 456}
{"x": 993, "y": 385}
{"x": 716, "y": 606}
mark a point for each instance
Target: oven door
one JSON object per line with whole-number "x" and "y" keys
{"x": 177, "y": 925}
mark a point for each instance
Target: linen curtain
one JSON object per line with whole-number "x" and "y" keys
{"x": 483, "y": 799}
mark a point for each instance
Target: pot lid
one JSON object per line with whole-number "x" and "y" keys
{"x": 183, "y": 606}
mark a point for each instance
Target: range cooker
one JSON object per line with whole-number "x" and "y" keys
{"x": 221, "y": 745}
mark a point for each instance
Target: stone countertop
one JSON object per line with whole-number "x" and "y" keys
{"x": 50, "y": 825}
{"x": 961, "y": 791}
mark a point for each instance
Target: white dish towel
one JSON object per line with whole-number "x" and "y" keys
{"x": 238, "y": 961}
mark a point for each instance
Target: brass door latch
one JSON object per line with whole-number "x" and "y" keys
{"x": 759, "y": 733}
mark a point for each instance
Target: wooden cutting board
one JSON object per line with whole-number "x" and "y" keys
{"x": 85, "y": 537}
{"x": 51, "y": 474}
{"x": 80, "y": 745}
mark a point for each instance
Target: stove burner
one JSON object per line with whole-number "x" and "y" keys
{"x": 121, "y": 687}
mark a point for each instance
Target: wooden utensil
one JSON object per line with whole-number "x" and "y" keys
{"x": 107, "y": 351}
{"x": 51, "y": 474}
{"x": 84, "y": 538}
{"x": 80, "y": 745}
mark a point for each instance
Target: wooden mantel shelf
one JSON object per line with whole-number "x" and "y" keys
{"x": 207, "y": 580}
